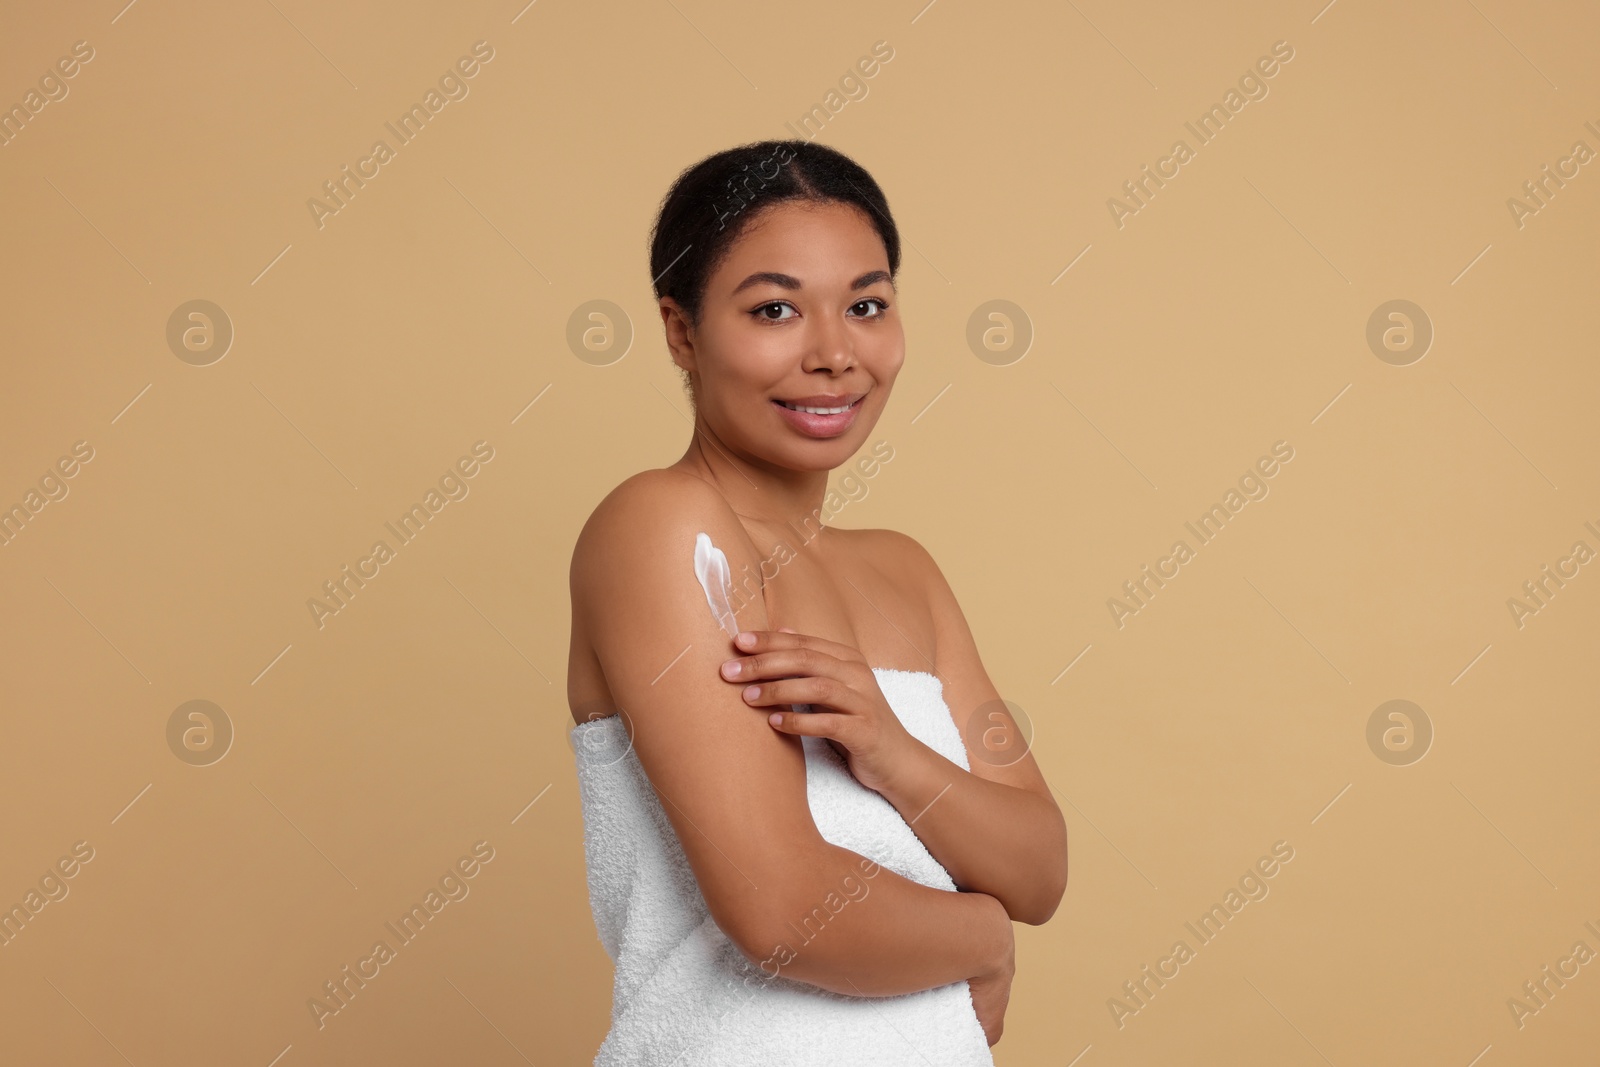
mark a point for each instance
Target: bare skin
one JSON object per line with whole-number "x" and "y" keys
{"x": 731, "y": 782}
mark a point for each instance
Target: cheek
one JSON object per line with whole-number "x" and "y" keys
{"x": 739, "y": 372}
{"x": 888, "y": 358}
{"x": 744, "y": 351}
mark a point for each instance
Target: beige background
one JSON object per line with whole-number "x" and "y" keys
{"x": 371, "y": 353}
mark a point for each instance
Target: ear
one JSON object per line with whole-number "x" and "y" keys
{"x": 680, "y": 336}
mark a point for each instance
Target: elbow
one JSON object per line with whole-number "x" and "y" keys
{"x": 746, "y": 934}
{"x": 1049, "y": 901}
{"x": 762, "y": 925}
{"x": 766, "y": 937}
{"x": 752, "y": 934}
{"x": 1038, "y": 911}
{"x": 1052, "y": 889}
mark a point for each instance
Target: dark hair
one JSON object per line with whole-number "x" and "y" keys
{"x": 713, "y": 202}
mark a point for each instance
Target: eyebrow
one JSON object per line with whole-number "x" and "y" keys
{"x": 789, "y": 281}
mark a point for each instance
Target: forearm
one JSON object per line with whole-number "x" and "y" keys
{"x": 993, "y": 838}
{"x": 879, "y": 934}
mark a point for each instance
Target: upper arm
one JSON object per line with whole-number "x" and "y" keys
{"x": 997, "y": 747}
{"x": 733, "y": 788}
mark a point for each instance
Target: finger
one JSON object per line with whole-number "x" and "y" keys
{"x": 807, "y": 723}
{"x": 806, "y": 690}
{"x": 789, "y": 663}
{"x": 751, "y": 641}
{"x": 805, "y": 661}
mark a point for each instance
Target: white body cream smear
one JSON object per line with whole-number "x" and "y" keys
{"x": 716, "y": 578}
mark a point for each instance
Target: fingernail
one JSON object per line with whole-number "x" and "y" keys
{"x": 746, "y": 639}
{"x": 752, "y": 691}
{"x": 776, "y": 718}
{"x": 730, "y": 669}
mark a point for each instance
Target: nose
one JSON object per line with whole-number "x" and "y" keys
{"x": 829, "y": 346}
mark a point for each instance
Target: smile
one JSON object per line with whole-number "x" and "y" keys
{"x": 826, "y": 415}
{"x": 819, "y": 411}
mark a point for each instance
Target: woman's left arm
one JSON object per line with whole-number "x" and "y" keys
{"x": 995, "y": 828}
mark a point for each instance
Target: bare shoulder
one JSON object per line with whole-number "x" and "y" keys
{"x": 884, "y": 540}
{"x": 656, "y": 494}
{"x": 649, "y": 509}
{"x": 902, "y": 557}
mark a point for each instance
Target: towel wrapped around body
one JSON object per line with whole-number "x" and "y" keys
{"x": 683, "y": 994}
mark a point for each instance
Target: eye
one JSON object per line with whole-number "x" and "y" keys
{"x": 883, "y": 306}
{"x": 760, "y": 312}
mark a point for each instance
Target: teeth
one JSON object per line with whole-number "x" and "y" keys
{"x": 816, "y": 411}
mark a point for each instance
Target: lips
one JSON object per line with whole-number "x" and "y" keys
{"x": 813, "y": 424}
{"x": 823, "y": 400}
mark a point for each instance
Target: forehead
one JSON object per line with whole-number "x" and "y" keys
{"x": 817, "y": 243}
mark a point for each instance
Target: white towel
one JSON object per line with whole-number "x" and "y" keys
{"x": 683, "y": 994}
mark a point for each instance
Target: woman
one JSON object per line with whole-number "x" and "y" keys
{"x": 806, "y": 845}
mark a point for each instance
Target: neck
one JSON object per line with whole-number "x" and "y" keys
{"x": 758, "y": 491}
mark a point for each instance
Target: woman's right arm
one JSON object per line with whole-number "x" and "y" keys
{"x": 733, "y": 788}
{"x": 898, "y": 937}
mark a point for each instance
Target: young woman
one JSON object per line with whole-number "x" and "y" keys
{"x": 806, "y": 845}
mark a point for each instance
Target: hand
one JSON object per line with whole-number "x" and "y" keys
{"x": 991, "y": 993}
{"x": 795, "y": 668}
